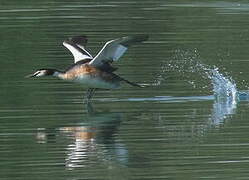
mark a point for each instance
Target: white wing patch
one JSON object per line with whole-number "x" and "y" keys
{"x": 120, "y": 50}
{"x": 76, "y": 53}
{"x": 85, "y": 51}
{"x": 111, "y": 51}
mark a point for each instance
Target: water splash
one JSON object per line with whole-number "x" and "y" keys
{"x": 198, "y": 75}
{"x": 223, "y": 87}
{"x": 205, "y": 77}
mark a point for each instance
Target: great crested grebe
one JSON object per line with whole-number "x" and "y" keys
{"x": 94, "y": 72}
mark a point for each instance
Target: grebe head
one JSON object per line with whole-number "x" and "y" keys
{"x": 43, "y": 72}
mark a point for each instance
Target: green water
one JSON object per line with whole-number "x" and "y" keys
{"x": 173, "y": 129}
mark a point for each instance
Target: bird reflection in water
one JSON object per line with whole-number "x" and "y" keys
{"x": 91, "y": 141}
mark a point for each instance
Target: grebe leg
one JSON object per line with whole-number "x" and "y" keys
{"x": 89, "y": 95}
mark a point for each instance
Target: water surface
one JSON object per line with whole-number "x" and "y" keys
{"x": 190, "y": 122}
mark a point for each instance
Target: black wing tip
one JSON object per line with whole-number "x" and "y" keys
{"x": 79, "y": 39}
{"x": 134, "y": 39}
{"x": 141, "y": 37}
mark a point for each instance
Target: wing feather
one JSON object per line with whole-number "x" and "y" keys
{"x": 114, "y": 49}
{"x": 76, "y": 45}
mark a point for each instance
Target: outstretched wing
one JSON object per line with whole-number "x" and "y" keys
{"x": 114, "y": 49}
{"x": 76, "y": 45}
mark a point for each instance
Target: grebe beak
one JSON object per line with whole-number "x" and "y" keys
{"x": 32, "y": 75}
{"x": 29, "y": 76}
